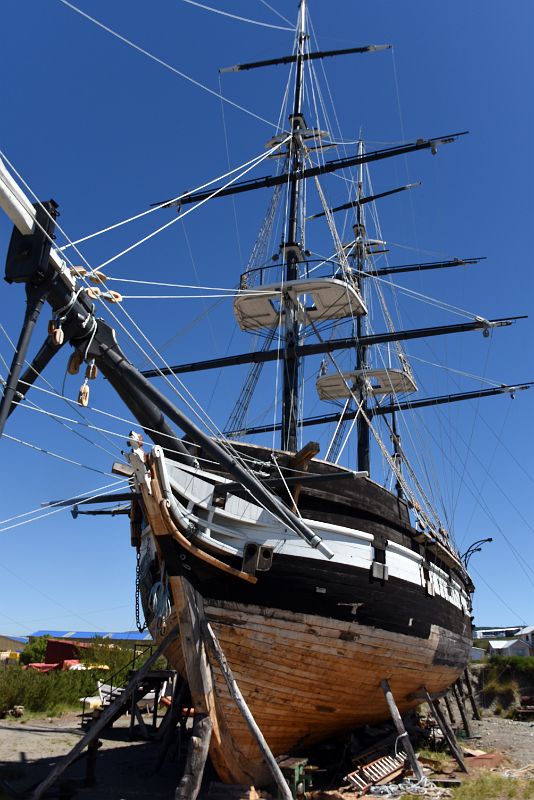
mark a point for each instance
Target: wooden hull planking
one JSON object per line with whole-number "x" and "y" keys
{"x": 307, "y": 678}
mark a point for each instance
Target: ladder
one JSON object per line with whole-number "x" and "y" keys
{"x": 377, "y": 771}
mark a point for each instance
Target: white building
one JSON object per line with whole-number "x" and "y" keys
{"x": 527, "y": 635}
{"x": 494, "y": 633}
{"x": 508, "y": 647}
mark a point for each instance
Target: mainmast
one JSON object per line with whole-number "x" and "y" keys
{"x": 292, "y": 253}
{"x": 361, "y": 349}
{"x": 296, "y": 300}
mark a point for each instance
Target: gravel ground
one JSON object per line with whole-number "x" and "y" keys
{"x": 514, "y": 739}
{"x": 124, "y": 768}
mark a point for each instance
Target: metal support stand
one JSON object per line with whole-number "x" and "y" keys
{"x": 401, "y": 730}
{"x": 99, "y": 725}
{"x": 447, "y": 731}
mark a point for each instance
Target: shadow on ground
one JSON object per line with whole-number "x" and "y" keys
{"x": 124, "y": 769}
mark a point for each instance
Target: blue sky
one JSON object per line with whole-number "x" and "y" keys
{"x": 106, "y": 131}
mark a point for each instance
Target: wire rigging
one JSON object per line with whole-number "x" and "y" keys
{"x": 162, "y": 62}
{"x": 236, "y": 17}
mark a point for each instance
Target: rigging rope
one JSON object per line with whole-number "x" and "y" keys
{"x": 420, "y": 513}
{"x": 55, "y": 455}
{"x": 234, "y": 16}
{"x": 236, "y": 420}
{"x": 524, "y": 565}
{"x": 163, "y": 63}
{"x": 56, "y": 509}
{"x": 158, "y": 207}
{"x": 70, "y": 403}
{"x": 180, "y": 216}
{"x": 278, "y": 14}
{"x": 100, "y": 489}
{"x": 223, "y": 442}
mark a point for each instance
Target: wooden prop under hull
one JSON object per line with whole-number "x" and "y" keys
{"x": 305, "y": 678}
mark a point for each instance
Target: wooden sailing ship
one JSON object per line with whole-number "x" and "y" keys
{"x": 318, "y": 582}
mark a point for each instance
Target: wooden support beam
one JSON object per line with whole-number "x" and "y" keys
{"x": 212, "y": 643}
{"x": 142, "y": 724}
{"x": 98, "y": 726}
{"x": 448, "y": 706}
{"x": 446, "y": 729}
{"x": 197, "y": 754}
{"x": 471, "y": 694}
{"x": 188, "y": 606}
{"x": 461, "y": 707}
{"x": 90, "y": 764}
{"x": 301, "y": 461}
{"x": 167, "y": 729}
{"x": 190, "y": 613}
{"x": 401, "y": 730}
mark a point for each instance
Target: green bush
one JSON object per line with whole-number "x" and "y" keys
{"x": 499, "y": 666}
{"x": 102, "y": 653}
{"x": 34, "y": 652}
{"x": 44, "y": 692}
{"x": 504, "y": 690}
{"x": 117, "y": 658}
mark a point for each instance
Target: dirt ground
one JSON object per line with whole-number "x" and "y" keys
{"x": 125, "y": 768}
{"x": 512, "y": 738}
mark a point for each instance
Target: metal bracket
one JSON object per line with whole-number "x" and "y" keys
{"x": 257, "y": 558}
{"x": 379, "y": 571}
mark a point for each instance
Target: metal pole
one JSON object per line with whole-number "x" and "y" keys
{"x": 401, "y": 730}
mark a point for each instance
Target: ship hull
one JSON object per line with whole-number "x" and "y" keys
{"x": 308, "y": 639}
{"x": 309, "y": 676}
